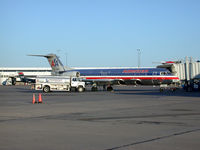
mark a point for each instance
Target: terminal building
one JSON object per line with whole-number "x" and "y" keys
{"x": 8, "y": 72}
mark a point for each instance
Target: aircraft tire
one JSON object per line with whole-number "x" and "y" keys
{"x": 94, "y": 88}
{"x": 109, "y": 88}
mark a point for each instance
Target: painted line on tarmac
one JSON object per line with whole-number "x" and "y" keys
{"x": 154, "y": 139}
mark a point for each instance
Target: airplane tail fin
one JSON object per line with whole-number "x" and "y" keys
{"x": 54, "y": 62}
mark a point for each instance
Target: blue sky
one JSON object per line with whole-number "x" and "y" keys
{"x": 98, "y": 32}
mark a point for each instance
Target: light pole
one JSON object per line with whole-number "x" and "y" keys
{"x": 139, "y": 55}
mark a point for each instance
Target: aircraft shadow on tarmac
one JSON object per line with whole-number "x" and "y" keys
{"x": 156, "y": 92}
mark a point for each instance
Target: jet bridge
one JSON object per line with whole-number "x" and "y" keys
{"x": 187, "y": 70}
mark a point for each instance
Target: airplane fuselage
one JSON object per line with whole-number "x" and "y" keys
{"x": 109, "y": 76}
{"x": 144, "y": 76}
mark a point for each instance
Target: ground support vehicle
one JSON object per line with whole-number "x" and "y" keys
{"x": 58, "y": 83}
{"x": 10, "y": 81}
{"x": 171, "y": 87}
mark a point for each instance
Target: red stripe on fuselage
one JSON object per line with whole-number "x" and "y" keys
{"x": 130, "y": 78}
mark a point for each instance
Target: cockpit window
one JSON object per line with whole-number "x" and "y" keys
{"x": 74, "y": 79}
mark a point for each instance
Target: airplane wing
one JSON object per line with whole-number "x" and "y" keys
{"x": 101, "y": 82}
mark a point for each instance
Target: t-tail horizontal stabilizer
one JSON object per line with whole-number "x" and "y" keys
{"x": 54, "y": 62}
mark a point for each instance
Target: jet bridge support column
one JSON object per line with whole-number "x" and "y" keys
{"x": 189, "y": 73}
{"x": 187, "y": 76}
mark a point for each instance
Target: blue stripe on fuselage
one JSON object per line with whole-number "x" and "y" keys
{"x": 123, "y": 72}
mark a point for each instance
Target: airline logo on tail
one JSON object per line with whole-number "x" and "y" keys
{"x": 54, "y": 62}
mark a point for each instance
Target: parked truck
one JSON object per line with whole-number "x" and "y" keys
{"x": 58, "y": 83}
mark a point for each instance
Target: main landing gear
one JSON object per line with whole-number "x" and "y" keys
{"x": 94, "y": 87}
{"x": 109, "y": 88}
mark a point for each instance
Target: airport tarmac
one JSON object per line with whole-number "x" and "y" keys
{"x": 130, "y": 117}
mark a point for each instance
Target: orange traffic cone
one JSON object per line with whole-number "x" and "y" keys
{"x": 40, "y": 98}
{"x": 33, "y": 101}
